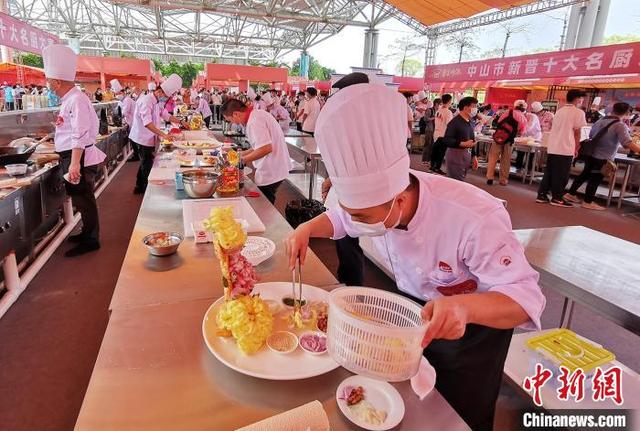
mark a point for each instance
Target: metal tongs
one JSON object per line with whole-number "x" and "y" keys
{"x": 297, "y": 299}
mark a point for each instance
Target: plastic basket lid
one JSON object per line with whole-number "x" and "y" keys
{"x": 567, "y": 349}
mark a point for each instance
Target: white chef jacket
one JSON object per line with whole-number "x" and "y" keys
{"x": 311, "y": 110}
{"x": 283, "y": 114}
{"x": 459, "y": 241}
{"x": 203, "y": 108}
{"x": 127, "y": 107}
{"x": 147, "y": 111}
{"x": 77, "y": 127}
{"x": 262, "y": 129}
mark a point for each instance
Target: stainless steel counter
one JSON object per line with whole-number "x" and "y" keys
{"x": 293, "y": 133}
{"x": 155, "y": 373}
{"x": 589, "y": 267}
{"x": 307, "y": 147}
{"x": 194, "y": 273}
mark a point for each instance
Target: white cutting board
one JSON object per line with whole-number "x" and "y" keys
{"x": 196, "y": 210}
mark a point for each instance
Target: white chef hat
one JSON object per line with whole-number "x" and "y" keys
{"x": 422, "y": 95}
{"x": 364, "y": 149}
{"x": 251, "y": 94}
{"x": 266, "y": 97}
{"x": 151, "y": 86}
{"x": 115, "y": 85}
{"x": 60, "y": 62}
{"x": 536, "y": 107}
{"x": 172, "y": 84}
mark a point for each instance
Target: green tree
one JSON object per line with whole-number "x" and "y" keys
{"x": 29, "y": 59}
{"x": 410, "y": 67}
{"x": 402, "y": 49}
{"x": 317, "y": 72}
{"x": 620, "y": 38}
{"x": 187, "y": 71}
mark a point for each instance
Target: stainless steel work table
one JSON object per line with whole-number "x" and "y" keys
{"x": 628, "y": 163}
{"x": 588, "y": 267}
{"x": 154, "y": 373}
{"x": 293, "y": 133}
{"x": 307, "y": 147}
{"x": 194, "y": 273}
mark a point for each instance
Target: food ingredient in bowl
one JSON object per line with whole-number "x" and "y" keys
{"x": 360, "y": 408}
{"x": 369, "y": 414}
{"x": 282, "y": 341}
{"x": 315, "y": 343}
{"x": 323, "y": 320}
{"x": 162, "y": 239}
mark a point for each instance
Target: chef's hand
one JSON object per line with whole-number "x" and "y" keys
{"x": 326, "y": 186}
{"x": 446, "y": 318}
{"x": 468, "y": 144}
{"x": 474, "y": 163}
{"x": 169, "y": 137}
{"x": 74, "y": 172}
{"x": 296, "y": 245}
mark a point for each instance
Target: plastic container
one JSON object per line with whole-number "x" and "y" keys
{"x": 16, "y": 169}
{"x": 375, "y": 333}
{"x": 563, "y": 347}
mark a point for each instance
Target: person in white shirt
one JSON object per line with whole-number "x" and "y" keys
{"x": 472, "y": 271}
{"x": 75, "y": 139}
{"x": 564, "y": 140}
{"x": 280, "y": 114}
{"x": 269, "y": 153}
{"x": 443, "y": 116}
{"x": 299, "y": 111}
{"x": 204, "y": 109}
{"x": 148, "y": 118}
{"x": 125, "y": 102}
{"x": 216, "y": 101}
{"x": 311, "y": 111}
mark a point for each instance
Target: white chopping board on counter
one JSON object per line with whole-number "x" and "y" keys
{"x": 196, "y": 210}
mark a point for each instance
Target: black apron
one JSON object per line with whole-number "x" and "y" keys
{"x": 469, "y": 371}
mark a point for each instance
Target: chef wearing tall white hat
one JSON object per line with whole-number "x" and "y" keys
{"x": 148, "y": 117}
{"x": 125, "y": 102}
{"x": 470, "y": 270}
{"x": 75, "y": 138}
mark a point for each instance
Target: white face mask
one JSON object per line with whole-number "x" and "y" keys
{"x": 376, "y": 229}
{"x": 474, "y": 112}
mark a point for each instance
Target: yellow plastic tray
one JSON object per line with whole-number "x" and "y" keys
{"x": 564, "y": 347}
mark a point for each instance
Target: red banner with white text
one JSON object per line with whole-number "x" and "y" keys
{"x": 22, "y": 36}
{"x": 596, "y": 61}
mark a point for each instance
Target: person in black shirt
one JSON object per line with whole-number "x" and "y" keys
{"x": 460, "y": 140}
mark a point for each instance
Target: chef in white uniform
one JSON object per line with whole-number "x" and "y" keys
{"x": 269, "y": 153}
{"x": 125, "y": 102}
{"x": 204, "y": 109}
{"x": 75, "y": 138}
{"x": 450, "y": 245}
{"x": 149, "y": 115}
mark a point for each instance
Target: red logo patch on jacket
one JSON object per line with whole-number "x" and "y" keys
{"x": 505, "y": 260}
{"x": 444, "y": 266}
{"x": 59, "y": 121}
{"x": 468, "y": 286}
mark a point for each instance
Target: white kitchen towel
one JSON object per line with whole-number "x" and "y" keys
{"x": 425, "y": 380}
{"x": 308, "y": 417}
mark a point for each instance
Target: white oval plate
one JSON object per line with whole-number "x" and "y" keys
{"x": 266, "y": 364}
{"x": 380, "y": 394}
{"x": 257, "y": 249}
